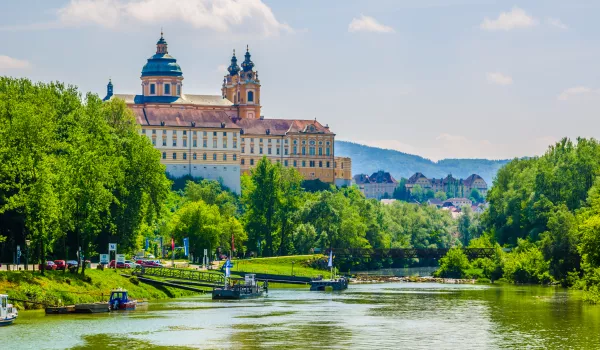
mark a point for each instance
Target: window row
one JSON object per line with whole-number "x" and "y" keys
{"x": 194, "y": 132}
{"x": 184, "y": 143}
{"x": 311, "y": 163}
{"x": 204, "y": 156}
{"x": 166, "y": 89}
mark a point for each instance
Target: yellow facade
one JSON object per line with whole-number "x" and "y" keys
{"x": 216, "y": 137}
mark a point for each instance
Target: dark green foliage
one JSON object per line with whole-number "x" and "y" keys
{"x": 453, "y": 265}
{"x": 73, "y": 173}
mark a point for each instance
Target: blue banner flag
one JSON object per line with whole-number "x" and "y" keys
{"x": 147, "y": 244}
{"x": 186, "y": 246}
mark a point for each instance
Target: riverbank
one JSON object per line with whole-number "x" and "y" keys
{"x": 296, "y": 265}
{"x": 362, "y": 279}
{"x": 65, "y": 288}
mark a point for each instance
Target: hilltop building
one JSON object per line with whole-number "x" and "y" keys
{"x": 378, "y": 185}
{"x": 222, "y": 136}
{"x": 455, "y": 187}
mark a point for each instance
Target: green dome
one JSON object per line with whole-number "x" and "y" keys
{"x": 161, "y": 64}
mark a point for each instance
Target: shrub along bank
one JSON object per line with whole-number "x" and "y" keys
{"x": 60, "y": 288}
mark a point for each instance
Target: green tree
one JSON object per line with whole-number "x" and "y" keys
{"x": 201, "y": 223}
{"x": 476, "y": 196}
{"x": 453, "y": 265}
{"x": 261, "y": 197}
{"x": 441, "y": 195}
{"x": 289, "y": 204}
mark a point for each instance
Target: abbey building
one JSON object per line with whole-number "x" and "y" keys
{"x": 220, "y": 137}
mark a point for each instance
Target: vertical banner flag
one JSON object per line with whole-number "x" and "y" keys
{"x": 227, "y": 268}
{"x": 186, "y": 246}
{"x": 172, "y": 244}
{"x": 147, "y": 244}
{"x": 330, "y": 263}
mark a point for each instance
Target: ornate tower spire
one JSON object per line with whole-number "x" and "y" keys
{"x": 247, "y": 65}
{"x": 161, "y": 45}
{"x": 233, "y": 69}
{"x": 109, "y": 90}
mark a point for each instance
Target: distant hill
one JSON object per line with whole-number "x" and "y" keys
{"x": 367, "y": 160}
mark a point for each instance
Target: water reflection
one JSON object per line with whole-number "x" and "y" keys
{"x": 406, "y": 315}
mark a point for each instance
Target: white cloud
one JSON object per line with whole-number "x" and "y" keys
{"x": 368, "y": 24}
{"x": 578, "y": 91}
{"x": 498, "y": 78}
{"x": 516, "y": 18}
{"x": 224, "y": 16}
{"x": 7, "y": 62}
{"x": 556, "y": 23}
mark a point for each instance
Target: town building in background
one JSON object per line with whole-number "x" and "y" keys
{"x": 452, "y": 186}
{"x": 220, "y": 137}
{"x": 379, "y": 185}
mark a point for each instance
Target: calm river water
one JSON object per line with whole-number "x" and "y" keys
{"x": 377, "y": 316}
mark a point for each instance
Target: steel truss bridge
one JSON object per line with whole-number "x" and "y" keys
{"x": 408, "y": 253}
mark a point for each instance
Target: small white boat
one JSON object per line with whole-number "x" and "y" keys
{"x": 8, "y": 313}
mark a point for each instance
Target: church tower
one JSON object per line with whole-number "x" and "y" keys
{"x": 242, "y": 87}
{"x": 162, "y": 78}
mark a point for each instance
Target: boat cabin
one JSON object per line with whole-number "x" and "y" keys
{"x": 8, "y": 313}
{"x": 119, "y": 300}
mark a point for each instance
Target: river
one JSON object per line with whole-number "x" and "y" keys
{"x": 375, "y": 316}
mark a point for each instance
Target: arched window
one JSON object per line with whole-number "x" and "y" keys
{"x": 164, "y": 155}
{"x": 250, "y": 96}
{"x": 224, "y": 156}
{"x": 204, "y": 156}
{"x": 214, "y": 156}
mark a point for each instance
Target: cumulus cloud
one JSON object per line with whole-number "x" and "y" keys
{"x": 240, "y": 16}
{"x": 7, "y": 62}
{"x": 516, "y": 18}
{"x": 498, "y": 78}
{"x": 556, "y": 23}
{"x": 368, "y": 24}
{"x": 578, "y": 91}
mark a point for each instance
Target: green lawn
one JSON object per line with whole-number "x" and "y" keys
{"x": 304, "y": 265}
{"x": 58, "y": 287}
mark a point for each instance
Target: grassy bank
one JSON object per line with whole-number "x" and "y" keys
{"x": 58, "y": 287}
{"x": 304, "y": 265}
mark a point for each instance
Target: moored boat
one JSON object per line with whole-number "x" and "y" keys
{"x": 248, "y": 289}
{"x": 119, "y": 301}
{"x": 8, "y": 313}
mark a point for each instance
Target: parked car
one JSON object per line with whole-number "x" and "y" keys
{"x": 131, "y": 263}
{"x": 71, "y": 263}
{"x": 149, "y": 263}
{"x": 49, "y": 265}
{"x": 119, "y": 265}
{"x": 60, "y": 264}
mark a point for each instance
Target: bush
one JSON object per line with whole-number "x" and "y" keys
{"x": 527, "y": 265}
{"x": 453, "y": 265}
{"x": 134, "y": 280}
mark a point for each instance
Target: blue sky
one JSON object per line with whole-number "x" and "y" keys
{"x": 437, "y": 78}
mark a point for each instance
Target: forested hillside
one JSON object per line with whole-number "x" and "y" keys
{"x": 366, "y": 159}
